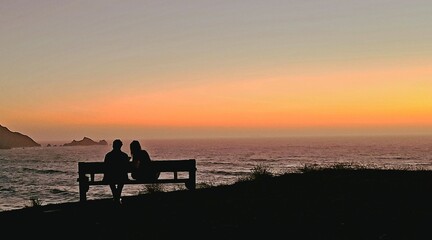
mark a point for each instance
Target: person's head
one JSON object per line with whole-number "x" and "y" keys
{"x": 117, "y": 144}
{"x": 135, "y": 147}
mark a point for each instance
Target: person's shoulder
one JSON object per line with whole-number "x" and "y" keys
{"x": 108, "y": 156}
{"x": 144, "y": 152}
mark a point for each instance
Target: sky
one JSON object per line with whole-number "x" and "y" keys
{"x": 195, "y": 68}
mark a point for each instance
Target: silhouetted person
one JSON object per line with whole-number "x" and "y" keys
{"x": 141, "y": 161}
{"x": 117, "y": 163}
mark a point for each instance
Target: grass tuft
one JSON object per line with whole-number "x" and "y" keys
{"x": 153, "y": 188}
{"x": 35, "y": 202}
{"x": 205, "y": 185}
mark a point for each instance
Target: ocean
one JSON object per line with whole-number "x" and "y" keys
{"x": 48, "y": 174}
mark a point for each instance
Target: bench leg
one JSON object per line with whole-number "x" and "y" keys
{"x": 191, "y": 184}
{"x": 83, "y": 188}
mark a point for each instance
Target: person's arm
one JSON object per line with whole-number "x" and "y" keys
{"x": 135, "y": 163}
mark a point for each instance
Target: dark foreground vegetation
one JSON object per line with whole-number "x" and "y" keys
{"x": 315, "y": 204}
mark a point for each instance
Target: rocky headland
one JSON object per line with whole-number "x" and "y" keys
{"x": 9, "y": 139}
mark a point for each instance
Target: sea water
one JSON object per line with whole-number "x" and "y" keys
{"x": 48, "y": 174}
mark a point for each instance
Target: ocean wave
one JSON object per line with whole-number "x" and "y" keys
{"x": 216, "y": 163}
{"x": 7, "y": 189}
{"x": 395, "y": 158}
{"x": 44, "y": 171}
{"x": 59, "y": 191}
{"x": 226, "y": 172}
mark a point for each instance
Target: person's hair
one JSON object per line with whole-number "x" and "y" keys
{"x": 117, "y": 144}
{"x": 135, "y": 147}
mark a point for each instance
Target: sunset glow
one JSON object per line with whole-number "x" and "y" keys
{"x": 130, "y": 69}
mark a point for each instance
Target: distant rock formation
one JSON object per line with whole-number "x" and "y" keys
{"x": 10, "y": 139}
{"x": 85, "y": 142}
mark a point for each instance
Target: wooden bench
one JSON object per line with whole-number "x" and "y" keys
{"x": 88, "y": 174}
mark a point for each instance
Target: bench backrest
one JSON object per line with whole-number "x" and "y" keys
{"x": 159, "y": 165}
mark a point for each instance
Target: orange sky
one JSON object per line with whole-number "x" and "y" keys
{"x": 138, "y": 70}
{"x": 356, "y": 99}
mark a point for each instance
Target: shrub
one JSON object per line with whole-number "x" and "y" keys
{"x": 336, "y": 166}
{"x": 258, "y": 172}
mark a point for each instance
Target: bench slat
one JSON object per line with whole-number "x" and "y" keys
{"x": 179, "y": 180}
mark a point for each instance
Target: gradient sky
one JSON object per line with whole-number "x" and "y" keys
{"x": 149, "y": 69}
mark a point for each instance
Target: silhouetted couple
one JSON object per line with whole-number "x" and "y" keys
{"x": 118, "y": 164}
